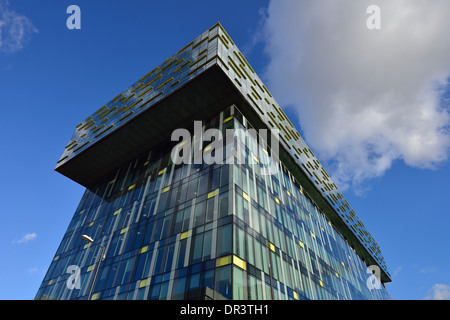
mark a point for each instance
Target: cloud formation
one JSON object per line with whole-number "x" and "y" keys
{"x": 15, "y": 29}
{"x": 439, "y": 291}
{"x": 26, "y": 238}
{"x": 365, "y": 98}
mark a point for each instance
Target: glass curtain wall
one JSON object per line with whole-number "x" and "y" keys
{"x": 224, "y": 230}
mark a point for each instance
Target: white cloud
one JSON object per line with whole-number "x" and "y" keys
{"x": 365, "y": 98}
{"x": 15, "y": 29}
{"x": 26, "y": 238}
{"x": 397, "y": 271}
{"x": 439, "y": 292}
{"x": 428, "y": 270}
{"x": 32, "y": 270}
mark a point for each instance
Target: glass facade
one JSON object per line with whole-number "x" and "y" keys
{"x": 205, "y": 231}
{"x": 231, "y": 228}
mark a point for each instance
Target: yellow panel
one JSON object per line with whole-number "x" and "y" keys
{"x": 197, "y": 61}
{"x": 185, "y": 47}
{"x": 301, "y": 244}
{"x": 110, "y": 127}
{"x": 144, "y": 92}
{"x": 56, "y": 258}
{"x": 199, "y": 43}
{"x": 183, "y": 65}
{"x": 313, "y": 235}
{"x": 162, "y": 171}
{"x": 90, "y": 268}
{"x": 163, "y": 84}
{"x": 117, "y": 211}
{"x": 228, "y": 119}
{"x": 276, "y": 200}
{"x": 143, "y": 249}
{"x": 271, "y": 247}
{"x": 72, "y": 147}
{"x": 321, "y": 283}
{"x": 223, "y": 63}
{"x": 146, "y": 163}
{"x": 239, "y": 262}
{"x": 202, "y": 65}
{"x": 84, "y": 144}
{"x": 295, "y": 295}
{"x": 168, "y": 65}
{"x": 245, "y": 196}
{"x": 98, "y": 129}
{"x": 137, "y": 87}
{"x": 223, "y": 261}
{"x": 213, "y": 193}
{"x": 131, "y": 187}
{"x": 207, "y": 148}
{"x": 184, "y": 235}
{"x": 135, "y": 103}
{"x": 95, "y": 296}
{"x": 143, "y": 283}
{"x": 124, "y": 230}
{"x": 126, "y": 116}
{"x": 165, "y": 189}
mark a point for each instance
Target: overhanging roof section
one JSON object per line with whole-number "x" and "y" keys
{"x": 200, "y": 79}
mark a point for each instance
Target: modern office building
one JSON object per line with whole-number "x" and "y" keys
{"x": 263, "y": 220}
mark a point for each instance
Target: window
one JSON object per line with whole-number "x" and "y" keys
{"x": 238, "y": 284}
{"x": 196, "y": 251}
{"x": 181, "y": 253}
{"x": 223, "y": 205}
{"x": 192, "y": 189}
{"x": 143, "y": 265}
{"x": 239, "y": 242}
{"x": 210, "y": 209}
{"x": 179, "y": 288}
{"x": 224, "y": 240}
{"x": 199, "y": 213}
{"x": 223, "y": 282}
{"x": 207, "y": 243}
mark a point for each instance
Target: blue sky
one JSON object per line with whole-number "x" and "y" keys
{"x": 386, "y": 148}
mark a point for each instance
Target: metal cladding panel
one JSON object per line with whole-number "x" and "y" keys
{"x": 212, "y": 48}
